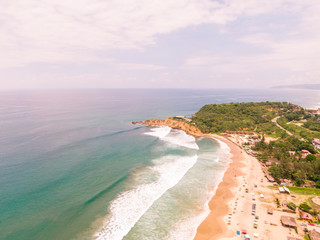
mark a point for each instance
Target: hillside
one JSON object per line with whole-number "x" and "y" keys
{"x": 250, "y": 116}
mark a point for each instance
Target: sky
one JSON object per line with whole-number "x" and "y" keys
{"x": 158, "y": 43}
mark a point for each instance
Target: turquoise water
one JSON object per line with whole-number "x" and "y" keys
{"x": 73, "y": 167}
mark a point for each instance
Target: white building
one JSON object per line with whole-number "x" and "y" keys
{"x": 316, "y": 143}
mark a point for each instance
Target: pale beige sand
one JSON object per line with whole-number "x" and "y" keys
{"x": 232, "y": 199}
{"x": 213, "y": 226}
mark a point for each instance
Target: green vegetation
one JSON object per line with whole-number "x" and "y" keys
{"x": 292, "y": 167}
{"x": 241, "y": 117}
{"x": 306, "y": 237}
{"x": 286, "y": 153}
{"x": 305, "y": 207}
{"x": 292, "y": 206}
{"x": 304, "y": 191}
{"x": 298, "y": 131}
{"x": 312, "y": 124}
{"x": 277, "y": 202}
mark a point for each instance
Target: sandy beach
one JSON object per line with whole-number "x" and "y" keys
{"x": 231, "y": 206}
{"x": 243, "y": 186}
{"x": 214, "y": 226}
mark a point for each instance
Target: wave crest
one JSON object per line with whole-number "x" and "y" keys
{"x": 129, "y": 207}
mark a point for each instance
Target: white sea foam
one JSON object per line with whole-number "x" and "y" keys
{"x": 223, "y": 146}
{"x": 176, "y": 137}
{"x": 182, "y": 139}
{"x": 159, "y": 132}
{"x": 187, "y": 228}
{"x": 128, "y": 208}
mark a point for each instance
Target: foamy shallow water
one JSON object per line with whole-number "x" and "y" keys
{"x": 175, "y": 200}
{"x": 177, "y": 137}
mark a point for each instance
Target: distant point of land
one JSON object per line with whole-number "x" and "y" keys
{"x": 300, "y": 86}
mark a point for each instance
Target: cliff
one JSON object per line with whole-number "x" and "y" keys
{"x": 176, "y": 124}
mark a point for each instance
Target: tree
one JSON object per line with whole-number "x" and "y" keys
{"x": 304, "y": 207}
{"x": 292, "y": 206}
{"x": 310, "y": 158}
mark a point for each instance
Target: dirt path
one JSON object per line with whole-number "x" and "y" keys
{"x": 275, "y": 122}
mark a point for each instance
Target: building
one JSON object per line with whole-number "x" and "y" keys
{"x": 314, "y": 235}
{"x": 304, "y": 153}
{"x": 286, "y": 182}
{"x": 316, "y": 143}
{"x": 284, "y": 190}
{"x": 288, "y": 222}
{"x": 306, "y": 216}
{"x": 292, "y": 153}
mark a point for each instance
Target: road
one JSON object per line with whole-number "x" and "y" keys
{"x": 275, "y": 122}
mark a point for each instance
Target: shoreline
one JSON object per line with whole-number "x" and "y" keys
{"x": 213, "y": 226}
{"x": 241, "y": 188}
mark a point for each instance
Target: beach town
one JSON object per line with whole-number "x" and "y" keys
{"x": 257, "y": 206}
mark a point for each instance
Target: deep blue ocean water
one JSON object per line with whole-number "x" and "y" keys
{"x": 72, "y": 166}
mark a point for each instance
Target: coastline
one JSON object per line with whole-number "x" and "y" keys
{"x": 241, "y": 187}
{"x": 213, "y": 226}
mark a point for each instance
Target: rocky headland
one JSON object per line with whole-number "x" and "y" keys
{"x": 175, "y": 124}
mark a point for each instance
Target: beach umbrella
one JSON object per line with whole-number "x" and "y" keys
{"x": 256, "y": 235}
{"x": 247, "y": 236}
{"x": 261, "y": 195}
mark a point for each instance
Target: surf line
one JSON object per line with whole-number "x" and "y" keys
{"x": 130, "y": 206}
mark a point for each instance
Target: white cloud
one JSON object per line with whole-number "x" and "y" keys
{"x": 68, "y": 30}
{"x": 294, "y": 52}
{"x": 82, "y": 31}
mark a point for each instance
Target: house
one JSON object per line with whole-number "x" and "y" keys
{"x": 304, "y": 153}
{"x": 306, "y": 216}
{"x": 288, "y": 222}
{"x": 286, "y": 182}
{"x": 314, "y": 235}
{"x": 268, "y": 164}
{"x": 316, "y": 143}
{"x": 284, "y": 190}
{"x": 292, "y": 153}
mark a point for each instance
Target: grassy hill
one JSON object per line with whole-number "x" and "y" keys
{"x": 241, "y": 116}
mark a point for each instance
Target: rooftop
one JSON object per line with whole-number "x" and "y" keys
{"x": 305, "y": 215}
{"x": 316, "y": 141}
{"x": 288, "y": 221}
{"x": 314, "y": 235}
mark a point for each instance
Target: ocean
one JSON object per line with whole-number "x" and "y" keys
{"x": 72, "y": 166}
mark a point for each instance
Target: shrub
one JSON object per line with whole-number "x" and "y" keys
{"x": 304, "y": 207}
{"x": 292, "y": 206}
